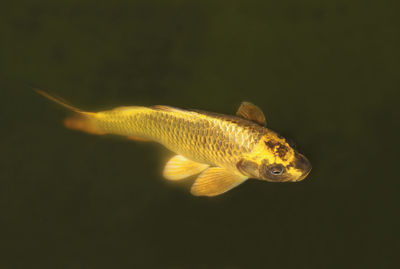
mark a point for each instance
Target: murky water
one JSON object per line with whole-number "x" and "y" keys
{"x": 325, "y": 74}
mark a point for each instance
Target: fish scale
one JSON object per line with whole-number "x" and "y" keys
{"x": 209, "y": 138}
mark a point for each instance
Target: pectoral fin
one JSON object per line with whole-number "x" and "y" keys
{"x": 179, "y": 167}
{"x": 215, "y": 181}
{"x": 251, "y": 112}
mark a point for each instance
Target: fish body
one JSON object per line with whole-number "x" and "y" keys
{"x": 225, "y": 149}
{"x": 213, "y": 139}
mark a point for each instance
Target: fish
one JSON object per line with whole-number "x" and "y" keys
{"x": 223, "y": 150}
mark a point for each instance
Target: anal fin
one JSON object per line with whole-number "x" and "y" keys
{"x": 215, "y": 181}
{"x": 179, "y": 167}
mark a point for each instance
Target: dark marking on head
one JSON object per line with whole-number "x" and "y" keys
{"x": 271, "y": 144}
{"x": 291, "y": 142}
{"x": 282, "y": 150}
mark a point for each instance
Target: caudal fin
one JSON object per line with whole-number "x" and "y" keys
{"x": 58, "y": 101}
{"x": 84, "y": 123}
{"x": 81, "y": 120}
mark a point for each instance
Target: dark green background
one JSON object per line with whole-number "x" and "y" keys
{"x": 326, "y": 74}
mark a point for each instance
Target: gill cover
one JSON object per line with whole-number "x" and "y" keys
{"x": 248, "y": 168}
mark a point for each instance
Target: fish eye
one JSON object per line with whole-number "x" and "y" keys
{"x": 276, "y": 170}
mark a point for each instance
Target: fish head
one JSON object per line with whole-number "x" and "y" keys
{"x": 275, "y": 159}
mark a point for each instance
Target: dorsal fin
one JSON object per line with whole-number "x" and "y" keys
{"x": 251, "y": 112}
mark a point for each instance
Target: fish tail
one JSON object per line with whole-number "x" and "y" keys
{"x": 59, "y": 101}
{"x": 84, "y": 123}
{"x": 81, "y": 120}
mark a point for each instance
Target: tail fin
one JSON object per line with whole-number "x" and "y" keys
{"x": 82, "y": 120}
{"x": 58, "y": 101}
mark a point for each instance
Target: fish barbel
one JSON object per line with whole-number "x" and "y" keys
{"x": 225, "y": 150}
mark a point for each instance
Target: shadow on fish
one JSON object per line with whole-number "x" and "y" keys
{"x": 224, "y": 150}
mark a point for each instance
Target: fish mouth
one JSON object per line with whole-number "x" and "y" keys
{"x": 302, "y": 164}
{"x": 304, "y": 175}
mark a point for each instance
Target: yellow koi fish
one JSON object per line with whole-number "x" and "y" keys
{"x": 225, "y": 150}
